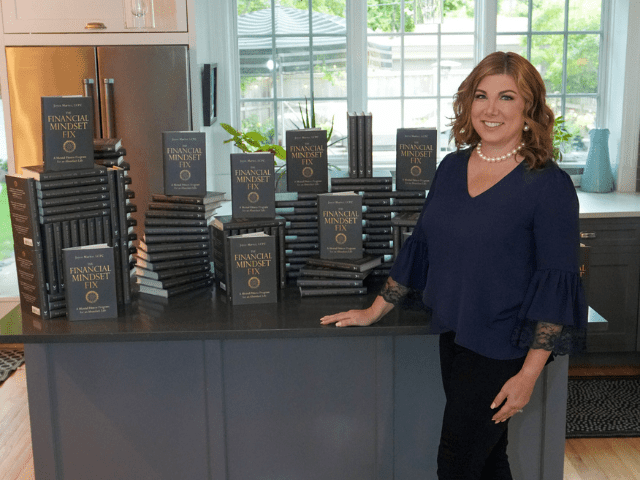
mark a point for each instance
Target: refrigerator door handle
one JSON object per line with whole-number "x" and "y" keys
{"x": 109, "y": 112}
{"x": 90, "y": 91}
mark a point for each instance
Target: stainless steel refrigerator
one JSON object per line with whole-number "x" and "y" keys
{"x": 140, "y": 91}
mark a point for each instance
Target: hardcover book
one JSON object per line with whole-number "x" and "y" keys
{"x": 67, "y": 132}
{"x": 31, "y": 280}
{"x": 23, "y": 210}
{"x": 416, "y": 154}
{"x": 184, "y": 155}
{"x": 363, "y": 264}
{"x": 340, "y": 225}
{"x": 90, "y": 282}
{"x": 307, "y": 168}
{"x": 37, "y": 172}
{"x": 253, "y": 269}
{"x": 252, "y": 185}
{"x": 208, "y": 198}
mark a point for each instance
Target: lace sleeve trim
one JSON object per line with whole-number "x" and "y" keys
{"x": 404, "y": 297}
{"x": 558, "y": 339}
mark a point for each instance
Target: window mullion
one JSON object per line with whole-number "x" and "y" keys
{"x": 357, "y": 52}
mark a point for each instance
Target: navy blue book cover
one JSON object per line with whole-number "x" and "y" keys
{"x": 307, "y": 168}
{"x": 184, "y": 160}
{"x": 67, "y": 133}
{"x": 416, "y": 154}
{"x": 253, "y": 193}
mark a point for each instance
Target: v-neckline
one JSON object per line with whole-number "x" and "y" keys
{"x": 466, "y": 179}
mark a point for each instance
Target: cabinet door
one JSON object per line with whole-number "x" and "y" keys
{"x": 614, "y": 281}
{"x": 86, "y": 16}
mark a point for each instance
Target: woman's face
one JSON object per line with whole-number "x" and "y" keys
{"x": 497, "y": 113}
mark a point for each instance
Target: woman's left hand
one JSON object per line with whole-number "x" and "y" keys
{"x": 517, "y": 392}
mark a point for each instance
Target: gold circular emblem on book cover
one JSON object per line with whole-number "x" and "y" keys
{"x": 254, "y": 282}
{"x": 341, "y": 238}
{"x": 416, "y": 170}
{"x": 185, "y": 175}
{"x": 307, "y": 172}
{"x": 92, "y": 296}
{"x": 69, "y": 146}
{"x": 253, "y": 197}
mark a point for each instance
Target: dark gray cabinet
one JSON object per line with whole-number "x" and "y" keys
{"x": 614, "y": 280}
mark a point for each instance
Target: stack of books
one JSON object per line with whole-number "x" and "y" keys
{"x": 360, "y": 140}
{"x": 336, "y": 277}
{"x": 68, "y": 208}
{"x": 225, "y": 226}
{"x": 109, "y": 152}
{"x": 381, "y": 203}
{"x": 300, "y": 210}
{"x": 174, "y": 254}
{"x": 403, "y": 225}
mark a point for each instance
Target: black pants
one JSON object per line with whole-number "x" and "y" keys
{"x": 472, "y": 446}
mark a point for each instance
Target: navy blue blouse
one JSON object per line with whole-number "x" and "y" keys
{"x": 490, "y": 267}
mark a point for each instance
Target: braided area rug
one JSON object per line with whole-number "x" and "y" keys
{"x": 10, "y": 360}
{"x": 603, "y": 407}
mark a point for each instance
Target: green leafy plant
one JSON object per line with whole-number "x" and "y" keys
{"x": 253, "y": 142}
{"x": 560, "y": 136}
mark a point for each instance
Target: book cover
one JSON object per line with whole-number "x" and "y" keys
{"x": 416, "y": 155}
{"x": 340, "y": 225}
{"x": 31, "y": 281}
{"x": 307, "y": 168}
{"x": 90, "y": 283}
{"x": 184, "y": 160}
{"x": 253, "y": 269}
{"x": 252, "y": 185}
{"x": 67, "y": 132}
{"x": 23, "y": 210}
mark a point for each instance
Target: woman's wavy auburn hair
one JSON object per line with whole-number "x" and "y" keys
{"x": 538, "y": 140}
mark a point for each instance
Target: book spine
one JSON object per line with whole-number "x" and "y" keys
{"x": 175, "y": 222}
{"x": 66, "y": 234}
{"x": 368, "y": 145}
{"x": 32, "y": 287}
{"x": 71, "y": 208}
{"x": 332, "y": 273}
{"x": 57, "y": 242}
{"x": 327, "y": 282}
{"x": 73, "y": 216}
{"x": 316, "y": 292}
{"x": 185, "y": 262}
{"x": 66, "y": 193}
{"x": 172, "y": 247}
{"x": 91, "y": 231}
{"x": 176, "y": 255}
{"x": 175, "y": 230}
{"x": 23, "y": 211}
{"x": 71, "y": 182}
{"x": 361, "y": 181}
{"x": 70, "y": 174}
{"x": 84, "y": 233}
{"x": 181, "y": 207}
{"x": 361, "y": 142}
{"x": 352, "y": 139}
{"x": 50, "y": 259}
{"x": 56, "y": 201}
{"x": 361, "y": 188}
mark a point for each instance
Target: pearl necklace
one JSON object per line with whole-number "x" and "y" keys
{"x": 498, "y": 159}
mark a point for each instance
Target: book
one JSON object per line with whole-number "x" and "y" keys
{"x": 174, "y": 255}
{"x": 72, "y": 191}
{"x": 416, "y": 155}
{"x": 90, "y": 283}
{"x": 252, "y": 185}
{"x": 32, "y": 286}
{"x": 184, "y": 161}
{"x": 55, "y": 201}
{"x": 37, "y": 172}
{"x": 69, "y": 183}
{"x": 307, "y": 168}
{"x": 363, "y": 187}
{"x": 23, "y": 211}
{"x": 368, "y": 144}
{"x": 173, "y": 281}
{"x": 361, "y": 142}
{"x": 171, "y": 247}
{"x": 169, "y": 264}
{"x": 332, "y": 273}
{"x": 316, "y": 292}
{"x": 170, "y": 272}
{"x": 253, "y": 269}
{"x": 174, "y": 222}
{"x": 206, "y": 199}
{"x": 327, "y": 282}
{"x": 106, "y": 144}
{"x": 366, "y": 262}
{"x": 340, "y": 225}
{"x": 352, "y": 140}
{"x": 177, "y": 290}
{"x": 361, "y": 181}
{"x": 67, "y": 132}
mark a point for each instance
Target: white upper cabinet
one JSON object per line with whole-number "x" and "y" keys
{"x": 94, "y": 16}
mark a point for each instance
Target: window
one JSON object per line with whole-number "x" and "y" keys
{"x": 295, "y": 59}
{"x": 562, "y": 39}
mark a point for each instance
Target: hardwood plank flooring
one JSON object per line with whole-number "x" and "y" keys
{"x": 585, "y": 458}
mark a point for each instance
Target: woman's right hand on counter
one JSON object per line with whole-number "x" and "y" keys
{"x": 359, "y": 318}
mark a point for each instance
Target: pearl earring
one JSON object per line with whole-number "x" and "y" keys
{"x": 526, "y": 127}
{"x": 462, "y": 130}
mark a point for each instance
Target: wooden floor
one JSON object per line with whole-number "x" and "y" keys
{"x": 585, "y": 459}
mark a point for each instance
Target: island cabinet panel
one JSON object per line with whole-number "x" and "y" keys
{"x": 94, "y": 16}
{"x": 303, "y": 407}
{"x": 614, "y": 280}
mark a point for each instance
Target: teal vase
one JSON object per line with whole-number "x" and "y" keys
{"x": 597, "y": 176}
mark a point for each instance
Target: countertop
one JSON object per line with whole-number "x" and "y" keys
{"x": 205, "y": 314}
{"x": 608, "y": 205}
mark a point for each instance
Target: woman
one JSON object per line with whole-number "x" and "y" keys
{"x": 494, "y": 256}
